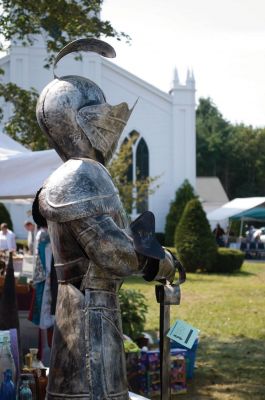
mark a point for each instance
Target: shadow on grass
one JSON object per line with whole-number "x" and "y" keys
{"x": 228, "y": 370}
{"x": 242, "y": 273}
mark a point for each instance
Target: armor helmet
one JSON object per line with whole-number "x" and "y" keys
{"x": 73, "y": 113}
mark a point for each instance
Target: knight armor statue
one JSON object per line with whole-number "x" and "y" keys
{"x": 94, "y": 248}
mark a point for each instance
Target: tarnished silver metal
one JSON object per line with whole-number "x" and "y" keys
{"x": 91, "y": 242}
{"x": 92, "y": 44}
{"x": 165, "y": 268}
{"x": 103, "y": 125}
{"x": 73, "y": 112}
{"x": 90, "y": 191}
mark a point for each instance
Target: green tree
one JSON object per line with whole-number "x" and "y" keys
{"x": 213, "y": 142}
{"x": 234, "y": 153}
{"x": 194, "y": 241}
{"x": 247, "y": 166}
{"x": 183, "y": 195}
{"x": 57, "y": 22}
{"x": 22, "y": 125}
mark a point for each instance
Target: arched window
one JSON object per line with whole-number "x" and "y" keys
{"x": 142, "y": 172}
{"x": 138, "y": 170}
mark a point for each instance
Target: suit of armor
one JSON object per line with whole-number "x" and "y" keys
{"x": 91, "y": 241}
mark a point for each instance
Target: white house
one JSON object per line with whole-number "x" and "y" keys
{"x": 165, "y": 122}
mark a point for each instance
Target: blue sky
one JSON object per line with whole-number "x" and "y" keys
{"x": 223, "y": 41}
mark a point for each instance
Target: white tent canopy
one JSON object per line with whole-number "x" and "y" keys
{"x": 22, "y": 171}
{"x": 22, "y": 175}
{"x": 9, "y": 147}
{"x": 235, "y": 207}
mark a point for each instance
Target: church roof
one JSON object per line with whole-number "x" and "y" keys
{"x": 210, "y": 190}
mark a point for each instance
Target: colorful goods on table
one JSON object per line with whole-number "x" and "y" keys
{"x": 143, "y": 372}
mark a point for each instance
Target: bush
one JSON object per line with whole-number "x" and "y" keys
{"x": 5, "y": 216}
{"x": 227, "y": 260}
{"x": 133, "y": 310}
{"x": 183, "y": 195}
{"x": 195, "y": 244}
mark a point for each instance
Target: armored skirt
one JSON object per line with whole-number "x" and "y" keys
{"x": 88, "y": 359}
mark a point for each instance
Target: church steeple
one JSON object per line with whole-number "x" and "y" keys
{"x": 190, "y": 80}
{"x": 176, "y": 79}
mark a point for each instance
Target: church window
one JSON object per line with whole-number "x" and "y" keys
{"x": 138, "y": 170}
{"x": 142, "y": 173}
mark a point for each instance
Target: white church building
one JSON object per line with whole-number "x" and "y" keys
{"x": 164, "y": 122}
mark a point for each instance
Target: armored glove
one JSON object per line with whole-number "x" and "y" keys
{"x": 155, "y": 262}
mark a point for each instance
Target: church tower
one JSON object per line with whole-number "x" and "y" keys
{"x": 183, "y": 130}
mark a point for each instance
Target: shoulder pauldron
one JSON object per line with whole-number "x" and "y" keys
{"x": 79, "y": 188}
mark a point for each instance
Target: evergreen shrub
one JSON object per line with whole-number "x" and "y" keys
{"x": 183, "y": 195}
{"x": 227, "y": 260}
{"x": 195, "y": 244}
{"x": 5, "y": 216}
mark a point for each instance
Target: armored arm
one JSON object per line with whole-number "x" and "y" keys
{"x": 158, "y": 270}
{"x": 107, "y": 245}
{"x": 112, "y": 249}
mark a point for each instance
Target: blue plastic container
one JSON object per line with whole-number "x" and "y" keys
{"x": 190, "y": 356}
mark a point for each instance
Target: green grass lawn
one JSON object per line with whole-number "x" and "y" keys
{"x": 229, "y": 311}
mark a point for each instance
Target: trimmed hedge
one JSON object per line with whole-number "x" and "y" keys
{"x": 194, "y": 241}
{"x": 227, "y": 260}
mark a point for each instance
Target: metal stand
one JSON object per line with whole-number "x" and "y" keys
{"x": 166, "y": 295}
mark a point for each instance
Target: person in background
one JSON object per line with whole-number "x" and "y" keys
{"x": 250, "y": 234}
{"x": 7, "y": 238}
{"x": 30, "y": 227}
{"x": 219, "y": 235}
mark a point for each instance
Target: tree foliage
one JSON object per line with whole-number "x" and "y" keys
{"x": 233, "y": 153}
{"x": 183, "y": 195}
{"x": 59, "y": 22}
{"x": 247, "y": 161}
{"x": 194, "y": 241}
{"x": 213, "y": 134}
{"x": 22, "y": 125}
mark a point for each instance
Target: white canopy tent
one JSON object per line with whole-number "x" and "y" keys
{"x": 23, "y": 174}
{"x": 243, "y": 209}
{"x": 237, "y": 207}
{"x": 22, "y": 171}
{"x": 9, "y": 147}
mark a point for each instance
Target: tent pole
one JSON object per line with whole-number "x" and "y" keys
{"x": 241, "y": 228}
{"x": 228, "y": 232}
